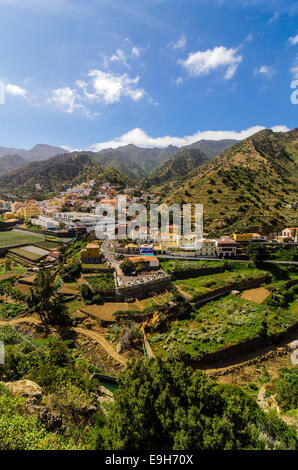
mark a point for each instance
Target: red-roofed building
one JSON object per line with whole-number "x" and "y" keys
{"x": 149, "y": 262}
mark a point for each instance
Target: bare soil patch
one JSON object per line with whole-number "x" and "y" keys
{"x": 255, "y": 295}
{"x": 105, "y": 312}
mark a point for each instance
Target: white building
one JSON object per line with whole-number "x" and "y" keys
{"x": 226, "y": 248}
{"x": 47, "y": 223}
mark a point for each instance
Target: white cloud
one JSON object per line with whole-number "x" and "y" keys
{"x": 293, "y": 40}
{"x": 124, "y": 57}
{"x": 265, "y": 70}
{"x": 249, "y": 38}
{"x": 140, "y": 138}
{"x": 274, "y": 17}
{"x": 64, "y": 98}
{"x": 15, "y": 90}
{"x": 119, "y": 56}
{"x": 99, "y": 87}
{"x": 204, "y": 62}
{"x": 136, "y": 51}
{"x": 180, "y": 44}
{"x": 68, "y": 99}
{"x": 110, "y": 88}
{"x": 179, "y": 81}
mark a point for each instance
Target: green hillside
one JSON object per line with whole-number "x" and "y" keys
{"x": 58, "y": 173}
{"x": 175, "y": 168}
{"x": 10, "y": 162}
{"x": 248, "y": 187}
{"x": 212, "y": 148}
{"x": 113, "y": 159}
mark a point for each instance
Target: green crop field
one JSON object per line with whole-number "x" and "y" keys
{"x": 222, "y": 323}
{"x": 203, "y": 284}
{"x": 11, "y": 239}
{"x": 27, "y": 255}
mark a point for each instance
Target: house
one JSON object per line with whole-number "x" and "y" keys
{"x": 242, "y": 237}
{"x": 91, "y": 254}
{"x": 206, "y": 248}
{"x": 226, "y": 248}
{"x": 291, "y": 232}
{"x": 8, "y": 215}
{"x": 47, "y": 223}
{"x": 132, "y": 248}
{"x": 28, "y": 212}
{"x": 148, "y": 262}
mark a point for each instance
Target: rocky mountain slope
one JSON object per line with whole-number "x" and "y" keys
{"x": 251, "y": 186}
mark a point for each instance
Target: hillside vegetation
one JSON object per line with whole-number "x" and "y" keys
{"x": 212, "y": 148}
{"x": 58, "y": 173}
{"x": 173, "y": 170}
{"x": 11, "y": 162}
{"x": 249, "y": 187}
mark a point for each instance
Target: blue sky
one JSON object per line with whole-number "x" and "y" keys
{"x": 102, "y": 73}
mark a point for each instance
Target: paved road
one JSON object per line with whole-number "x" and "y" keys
{"x": 116, "y": 264}
{"x": 235, "y": 260}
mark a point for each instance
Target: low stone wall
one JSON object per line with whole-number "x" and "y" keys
{"x": 186, "y": 274}
{"x": 242, "y": 285}
{"x": 68, "y": 234}
{"x": 3, "y": 252}
{"x": 142, "y": 290}
{"x": 221, "y": 357}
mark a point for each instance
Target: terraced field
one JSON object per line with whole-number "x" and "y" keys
{"x": 14, "y": 238}
{"x": 202, "y": 284}
{"x": 219, "y": 324}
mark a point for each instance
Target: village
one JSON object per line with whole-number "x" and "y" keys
{"x": 101, "y": 279}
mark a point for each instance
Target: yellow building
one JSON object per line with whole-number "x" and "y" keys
{"x": 15, "y": 206}
{"x": 242, "y": 237}
{"x": 8, "y": 215}
{"x": 28, "y": 212}
{"x": 132, "y": 248}
{"x": 91, "y": 254}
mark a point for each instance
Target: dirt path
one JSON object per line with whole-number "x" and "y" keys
{"x": 242, "y": 361}
{"x": 96, "y": 336}
{"x": 99, "y": 338}
{"x": 17, "y": 321}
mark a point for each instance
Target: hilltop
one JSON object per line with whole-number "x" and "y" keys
{"x": 175, "y": 168}
{"x": 144, "y": 160}
{"x": 37, "y": 153}
{"x": 137, "y": 162}
{"x": 212, "y": 148}
{"x": 58, "y": 173}
{"x": 248, "y": 187}
{"x": 112, "y": 159}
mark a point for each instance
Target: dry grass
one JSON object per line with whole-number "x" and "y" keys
{"x": 255, "y": 295}
{"x": 105, "y": 312}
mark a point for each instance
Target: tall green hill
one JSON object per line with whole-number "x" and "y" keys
{"x": 251, "y": 186}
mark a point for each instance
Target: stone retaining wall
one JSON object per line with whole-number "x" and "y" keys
{"x": 228, "y": 353}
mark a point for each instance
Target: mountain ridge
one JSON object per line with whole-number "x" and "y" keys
{"x": 57, "y": 173}
{"x": 248, "y": 187}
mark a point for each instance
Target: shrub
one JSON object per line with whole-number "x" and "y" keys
{"x": 70, "y": 272}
